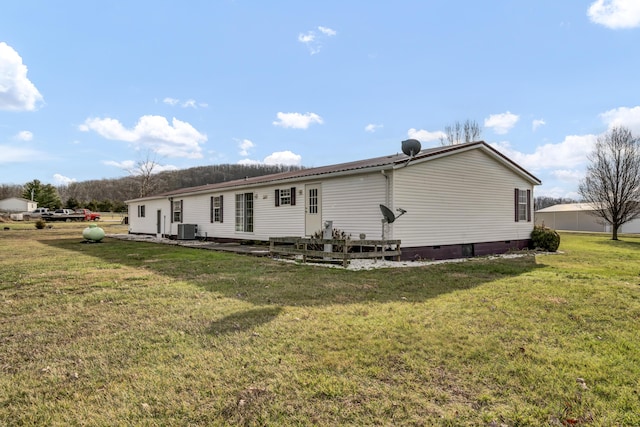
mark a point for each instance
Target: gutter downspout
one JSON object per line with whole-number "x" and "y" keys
{"x": 387, "y": 192}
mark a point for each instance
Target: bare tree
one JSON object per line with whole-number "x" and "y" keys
{"x": 10, "y": 190}
{"x": 142, "y": 172}
{"x": 612, "y": 184}
{"x": 542, "y": 202}
{"x": 472, "y": 131}
{"x": 457, "y": 133}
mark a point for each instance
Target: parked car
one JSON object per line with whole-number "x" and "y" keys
{"x": 88, "y": 215}
{"x": 71, "y": 215}
{"x": 63, "y": 212}
{"x": 37, "y": 213}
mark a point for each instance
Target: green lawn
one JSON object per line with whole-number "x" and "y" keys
{"x": 129, "y": 333}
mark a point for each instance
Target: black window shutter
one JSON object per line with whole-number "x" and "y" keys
{"x": 293, "y": 196}
{"x": 528, "y": 205}
{"x": 181, "y": 211}
{"x": 517, "y": 196}
{"x": 211, "y": 210}
{"x": 171, "y": 209}
{"x": 221, "y": 205}
{"x": 277, "y": 197}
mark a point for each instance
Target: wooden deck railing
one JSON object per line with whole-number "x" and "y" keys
{"x": 348, "y": 249}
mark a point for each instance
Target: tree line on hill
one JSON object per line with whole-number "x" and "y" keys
{"x": 108, "y": 195}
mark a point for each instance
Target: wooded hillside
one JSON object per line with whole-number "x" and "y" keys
{"x": 110, "y": 194}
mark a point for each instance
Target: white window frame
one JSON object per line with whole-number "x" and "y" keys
{"x": 176, "y": 210}
{"x": 216, "y": 208}
{"x": 285, "y": 196}
{"x": 244, "y": 212}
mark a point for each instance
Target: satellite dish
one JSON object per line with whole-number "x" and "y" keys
{"x": 388, "y": 214}
{"x": 411, "y": 147}
{"x": 389, "y": 217}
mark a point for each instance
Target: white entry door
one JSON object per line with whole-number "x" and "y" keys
{"x": 313, "y": 208}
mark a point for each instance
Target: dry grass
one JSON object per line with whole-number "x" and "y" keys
{"x": 127, "y": 333}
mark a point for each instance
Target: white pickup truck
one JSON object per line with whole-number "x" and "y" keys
{"x": 37, "y": 213}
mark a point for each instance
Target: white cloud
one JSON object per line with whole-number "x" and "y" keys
{"x": 245, "y": 145}
{"x": 313, "y": 41}
{"x": 307, "y": 38}
{"x": 625, "y": 117}
{"x": 17, "y": 92}
{"x": 189, "y": 103}
{"x": 615, "y": 14}
{"x": 372, "y": 127}
{"x": 327, "y": 31}
{"x": 501, "y": 123}
{"x": 297, "y": 120}
{"x": 178, "y": 139}
{"x": 124, "y": 165}
{"x": 568, "y": 175}
{"x": 557, "y": 193}
{"x": 570, "y": 153}
{"x": 12, "y": 154}
{"x": 24, "y": 135}
{"x": 157, "y": 168}
{"x": 285, "y": 158}
{"x": 537, "y": 123}
{"x": 425, "y": 135}
{"x": 62, "y": 180}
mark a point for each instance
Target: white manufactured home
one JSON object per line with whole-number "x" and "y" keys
{"x": 460, "y": 200}
{"x": 17, "y": 204}
{"x": 579, "y": 217}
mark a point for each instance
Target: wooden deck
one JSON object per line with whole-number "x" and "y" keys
{"x": 335, "y": 249}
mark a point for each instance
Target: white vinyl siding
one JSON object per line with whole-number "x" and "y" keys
{"x": 466, "y": 198}
{"x": 16, "y": 204}
{"x": 353, "y": 204}
{"x": 455, "y": 199}
{"x": 149, "y": 223}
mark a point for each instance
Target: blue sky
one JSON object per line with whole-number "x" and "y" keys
{"x": 90, "y": 89}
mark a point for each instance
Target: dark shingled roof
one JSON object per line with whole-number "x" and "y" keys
{"x": 391, "y": 160}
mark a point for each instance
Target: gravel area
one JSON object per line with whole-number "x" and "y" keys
{"x": 356, "y": 264}
{"x": 366, "y": 264}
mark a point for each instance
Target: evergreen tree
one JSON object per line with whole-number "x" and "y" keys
{"x": 45, "y": 194}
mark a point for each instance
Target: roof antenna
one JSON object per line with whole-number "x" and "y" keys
{"x": 411, "y": 147}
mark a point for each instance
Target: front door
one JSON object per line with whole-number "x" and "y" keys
{"x": 313, "y": 209}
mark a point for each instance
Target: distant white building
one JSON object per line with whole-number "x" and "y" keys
{"x": 17, "y": 204}
{"x": 578, "y": 217}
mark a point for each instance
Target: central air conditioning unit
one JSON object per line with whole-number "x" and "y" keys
{"x": 187, "y": 231}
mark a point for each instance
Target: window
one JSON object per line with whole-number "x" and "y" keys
{"x": 141, "y": 211}
{"x": 286, "y": 196}
{"x": 313, "y": 201}
{"x": 522, "y": 205}
{"x": 176, "y": 211}
{"x": 244, "y": 212}
{"x": 216, "y": 208}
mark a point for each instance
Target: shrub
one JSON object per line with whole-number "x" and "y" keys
{"x": 40, "y": 224}
{"x": 337, "y": 234}
{"x": 545, "y": 238}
